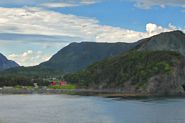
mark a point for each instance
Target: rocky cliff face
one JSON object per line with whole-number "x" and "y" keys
{"x": 173, "y": 84}
{"x": 169, "y": 41}
{"x": 6, "y": 64}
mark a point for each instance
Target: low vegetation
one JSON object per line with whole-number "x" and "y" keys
{"x": 68, "y": 86}
{"x": 18, "y": 80}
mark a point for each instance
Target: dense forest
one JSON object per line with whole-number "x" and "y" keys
{"x": 27, "y": 76}
{"x": 14, "y": 80}
{"x": 132, "y": 67}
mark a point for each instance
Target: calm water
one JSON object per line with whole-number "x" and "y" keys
{"x": 78, "y": 109}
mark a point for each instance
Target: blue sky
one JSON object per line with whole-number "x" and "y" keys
{"x": 32, "y": 31}
{"x": 126, "y": 15}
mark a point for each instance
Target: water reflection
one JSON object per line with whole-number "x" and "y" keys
{"x": 79, "y": 109}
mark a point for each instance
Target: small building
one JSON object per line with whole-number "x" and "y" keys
{"x": 35, "y": 85}
{"x": 62, "y": 83}
{"x": 54, "y": 83}
{"x": 7, "y": 87}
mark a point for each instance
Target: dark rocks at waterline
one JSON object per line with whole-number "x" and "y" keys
{"x": 110, "y": 93}
{"x": 16, "y": 91}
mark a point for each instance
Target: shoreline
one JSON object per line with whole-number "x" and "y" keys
{"x": 82, "y": 92}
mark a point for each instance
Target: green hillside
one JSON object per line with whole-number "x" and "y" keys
{"x": 71, "y": 58}
{"x": 77, "y": 56}
{"x": 128, "y": 70}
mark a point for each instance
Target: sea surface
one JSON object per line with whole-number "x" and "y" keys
{"x": 87, "y": 109}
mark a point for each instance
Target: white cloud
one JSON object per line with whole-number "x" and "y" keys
{"x": 109, "y": 34}
{"x": 29, "y": 58}
{"x": 146, "y": 4}
{"x": 72, "y": 3}
{"x": 155, "y": 29}
{"x": 39, "y": 3}
{"x": 35, "y": 21}
{"x": 43, "y": 22}
{"x": 171, "y": 26}
{"x": 87, "y": 2}
{"x": 44, "y": 25}
{"x": 59, "y": 5}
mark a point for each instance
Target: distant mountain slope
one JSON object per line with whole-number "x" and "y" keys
{"x": 156, "y": 72}
{"x": 72, "y": 58}
{"x": 170, "y": 41}
{"x": 6, "y": 64}
{"x": 77, "y": 56}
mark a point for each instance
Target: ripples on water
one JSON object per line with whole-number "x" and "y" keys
{"x": 79, "y": 109}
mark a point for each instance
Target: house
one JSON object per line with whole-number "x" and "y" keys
{"x": 54, "y": 83}
{"x": 61, "y": 83}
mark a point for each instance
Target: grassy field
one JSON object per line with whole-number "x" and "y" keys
{"x": 68, "y": 86}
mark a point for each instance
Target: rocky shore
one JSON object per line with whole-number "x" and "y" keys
{"x": 83, "y": 92}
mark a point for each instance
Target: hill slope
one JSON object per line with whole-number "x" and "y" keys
{"x": 71, "y": 58}
{"x": 158, "y": 73}
{"x": 6, "y": 64}
{"x": 170, "y": 41}
{"x": 77, "y": 56}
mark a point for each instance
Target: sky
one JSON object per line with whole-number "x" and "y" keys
{"x": 31, "y": 31}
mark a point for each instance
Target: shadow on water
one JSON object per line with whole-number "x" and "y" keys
{"x": 149, "y": 99}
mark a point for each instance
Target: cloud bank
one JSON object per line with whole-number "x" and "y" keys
{"x": 29, "y": 58}
{"x": 47, "y": 3}
{"x": 146, "y": 4}
{"x": 44, "y": 25}
{"x": 49, "y": 28}
{"x": 72, "y": 3}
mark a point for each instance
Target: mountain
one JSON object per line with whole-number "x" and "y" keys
{"x": 170, "y": 41}
{"x": 77, "y": 56}
{"x": 161, "y": 52}
{"x": 71, "y": 58}
{"x": 6, "y": 64}
{"x": 136, "y": 72}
